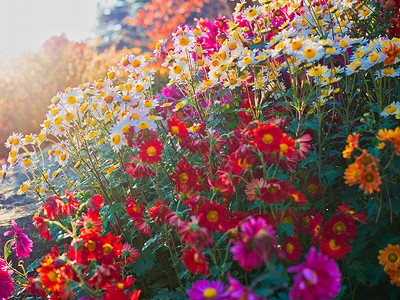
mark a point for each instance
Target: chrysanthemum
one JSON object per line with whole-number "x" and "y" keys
{"x": 334, "y": 248}
{"x": 195, "y": 261}
{"x": 352, "y": 174}
{"x": 390, "y": 257}
{"x": 237, "y": 291}
{"x": 370, "y": 180}
{"x": 205, "y": 289}
{"x": 253, "y": 189}
{"x": 267, "y": 137}
{"x": 6, "y": 285}
{"x": 22, "y": 244}
{"x": 256, "y": 242}
{"x": 185, "y": 177}
{"x": 292, "y": 249}
{"x": 352, "y": 143}
{"x": 317, "y": 278}
{"x": 177, "y": 128}
{"x": 151, "y": 151}
{"x": 213, "y": 216}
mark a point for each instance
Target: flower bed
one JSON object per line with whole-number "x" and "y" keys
{"x": 268, "y": 167}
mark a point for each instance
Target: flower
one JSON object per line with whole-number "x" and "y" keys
{"x": 6, "y": 285}
{"x": 195, "y": 261}
{"x": 292, "y": 249}
{"x": 22, "y": 244}
{"x": 150, "y": 151}
{"x": 237, "y": 291}
{"x": 177, "y": 128}
{"x": 256, "y": 241}
{"x": 205, "y": 289}
{"x": 213, "y": 216}
{"x": 317, "y": 278}
{"x": 390, "y": 257}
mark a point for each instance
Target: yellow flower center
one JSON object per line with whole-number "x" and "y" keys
{"x": 393, "y": 257}
{"x": 388, "y": 71}
{"x": 143, "y": 125}
{"x": 289, "y": 248}
{"x": 247, "y": 60}
{"x": 116, "y": 139}
{"x": 284, "y": 148}
{"x": 390, "y": 109}
{"x": 15, "y": 142}
{"x": 297, "y": 45}
{"x": 175, "y": 129}
{"x": 183, "y": 177}
{"x": 136, "y": 63}
{"x": 139, "y": 88}
{"x": 151, "y": 151}
{"x": 107, "y": 248}
{"x": 310, "y": 53}
{"x": 232, "y": 46}
{"x": 252, "y": 12}
{"x": 333, "y": 245}
{"x": 343, "y": 43}
{"x": 212, "y": 216}
{"x": 177, "y": 69}
{"x": 312, "y": 188}
{"x": 243, "y": 163}
{"x": 90, "y": 245}
{"x": 209, "y": 293}
{"x": 52, "y": 276}
{"x": 71, "y": 100}
{"x": 369, "y": 177}
{"x": 373, "y": 57}
{"x": 339, "y": 227}
{"x": 184, "y": 41}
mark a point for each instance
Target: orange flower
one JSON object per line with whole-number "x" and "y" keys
{"x": 394, "y": 277}
{"x": 352, "y": 143}
{"x": 352, "y": 174}
{"x": 366, "y": 160}
{"x": 390, "y": 258}
{"x": 392, "y": 51}
{"x": 370, "y": 180}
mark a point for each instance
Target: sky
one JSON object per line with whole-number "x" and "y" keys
{"x": 27, "y": 24}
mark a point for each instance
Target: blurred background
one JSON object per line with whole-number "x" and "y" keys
{"x": 49, "y": 45}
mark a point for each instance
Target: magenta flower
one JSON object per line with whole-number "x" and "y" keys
{"x": 256, "y": 241}
{"x": 6, "y": 286}
{"x": 204, "y": 289}
{"x": 22, "y": 244}
{"x": 317, "y": 278}
{"x": 237, "y": 291}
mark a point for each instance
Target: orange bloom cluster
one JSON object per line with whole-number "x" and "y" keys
{"x": 390, "y": 259}
{"x": 364, "y": 171}
{"x": 392, "y": 136}
{"x": 352, "y": 144}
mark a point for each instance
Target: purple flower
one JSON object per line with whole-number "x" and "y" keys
{"x": 22, "y": 244}
{"x": 237, "y": 291}
{"x": 257, "y": 240}
{"x": 6, "y": 286}
{"x": 317, "y": 278}
{"x": 204, "y": 289}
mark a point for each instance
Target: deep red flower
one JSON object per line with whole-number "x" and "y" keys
{"x": 185, "y": 177}
{"x": 95, "y": 203}
{"x": 345, "y": 209}
{"x": 213, "y": 216}
{"x": 292, "y": 249}
{"x": 340, "y": 228}
{"x": 286, "y": 146}
{"x": 159, "y": 211}
{"x": 117, "y": 289}
{"x": 334, "y": 248}
{"x": 195, "y": 261}
{"x": 196, "y": 236}
{"x": 138, "y": 169}
{"x": 105, "y": 274}
{"x": 314, "y": 228}
{"x": 297, "y": 197}
{"x": 90, "y": 221}
{"x": 274, "y": 191}
{"x": 151, "y": 151}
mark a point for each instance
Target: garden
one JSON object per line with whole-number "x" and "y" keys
{"x": 264, "y": 164}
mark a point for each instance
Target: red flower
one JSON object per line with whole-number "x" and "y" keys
{"x": 266, "y": 137}
{"x": 286, "y": 146}
{"x": 138, "y": 169}
{"x": 159, "y": 211}
{"x": 90, "y": 221}
{"x": 292, "y": 249}
{"x": 117, "y": 290}
{"x": 131, "y": 253}
{"x": 177, "y": 128}
{"x": 274, "y": 191}
{"x": 95, "y": 203}
{"x": 41, "y": 223}
{"x": 297, "y": 197}
{"x": 213, "y": 216}
{"x": 185, "y": 177}
{"x": 195, "y": 261}
{"x": 111, "y": 248}
{"x": 151, "y": 151}
{"x": 334, "y": 248}
{"x": 340, "y": 228}
{"x": 314, "y": 227}
{"x": 195, "y": 235}
{"x": 345, "y": 209}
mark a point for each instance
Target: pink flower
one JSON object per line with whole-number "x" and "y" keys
{"x": 6, "y": 286}
{"x": 317, "y": 278}
{"x": 22, "y": 244}
{"x": 204, "y": 289}
{"x": 257, "y": 240}
{"x": 237, "y": 291}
